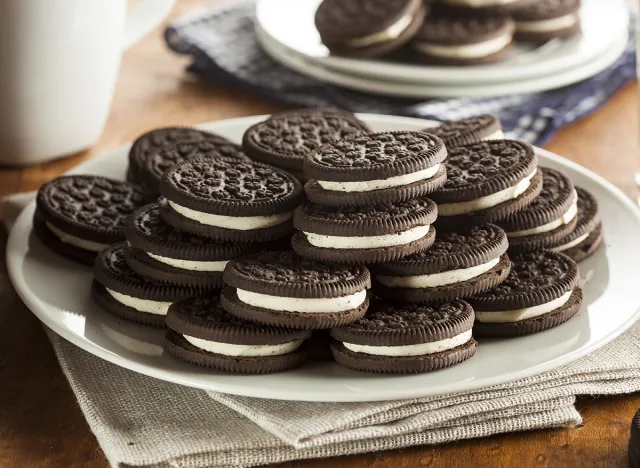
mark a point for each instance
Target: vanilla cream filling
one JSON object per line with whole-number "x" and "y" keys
{"x": 478, "y": 3}
{"x": 306, "y": 305}
{"x": 465, "y": 51}
{"x": 412, "y": 350}
{"x": 240, "y": 223}
{"x": 510, "y": 316}
{"x": 76, "y": 241}
{"x": 437, "y": 279}
{"x": 548, "y": 25}
{"x": 573, "y": 243}
{"x": 369, "y": 185}
{"x": 141, "y": 305}
{"x": 367, "y": 242}
{"x": 191, "y": 265}
{"x": 566, "y": 218}
{"x": 229, "y": 349}
{"x": 497, "y": 135}
{"x": 482, "y": 203}
{"x": 392, "y": 32}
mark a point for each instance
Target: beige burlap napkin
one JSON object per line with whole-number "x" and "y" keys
{"x": 141, "y": 421}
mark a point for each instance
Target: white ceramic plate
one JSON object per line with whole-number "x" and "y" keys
{"x": 290, "y": 24}
{"x": 57, "y": 291}
{"x": 430, "y": 90}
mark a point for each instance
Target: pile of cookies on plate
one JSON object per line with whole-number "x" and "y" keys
{"x": 442, "y": 32}
{"x": 317, "y": 238}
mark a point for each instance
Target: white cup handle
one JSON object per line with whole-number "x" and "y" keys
{"x": 143, "y": 18}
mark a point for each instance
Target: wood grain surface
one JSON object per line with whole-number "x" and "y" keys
{"x": 40, "y": 422}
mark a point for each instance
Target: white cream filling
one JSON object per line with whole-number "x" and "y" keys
{"x": 478, "y": 3}
{"x": 566, "y": 218}
{"x": 76, "y": 241}
{"x": 369, "y": 185}
{"x": 392, "y": 32}
{"x": 303, "y": 305}
{"x": 510, "y": 316}
{"x": 548, "y": 25}
{"x": 465, "y": 51}
{"x": 482, "y": 203}
{"x": 229, "y": 349}
{"x": 573, "y": 243}
{"x": 367, "y": 242}
{"x": 497, "y": 135}
{"x": 412, "y": 350}
{"x": 437, "y": 279}
{"x": 240, "y": 223}
{"x": 191, "y": 265}
{"x": 141, "y": 305}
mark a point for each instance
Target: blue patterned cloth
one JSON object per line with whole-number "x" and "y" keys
{"x": 222, "y": 42}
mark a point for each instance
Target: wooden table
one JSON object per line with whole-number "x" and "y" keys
{"x": 40, "y": 422}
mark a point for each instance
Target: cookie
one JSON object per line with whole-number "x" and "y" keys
{"x": 229, "y": 200}
{"x": 202, "y": 333}
{"x": 459, "y": 264}
{"x": 586, "y": 238}
{"x": 369, "y": 234}
{"x": 541, "y": 292}
{"x": 549, "y": 218}
{"x": 281, "y": 289}
{"x": 77, "y": 216}
{"x": 466, "y": 131}
{"x": 368, "y": 28}
{"x": 124, "y": 293}
{"x": 463, "y": 39}
{"x": 487, "y": 182}
{"x": 476, "y": 7}
{"x": 406, "y": 338}
{"x": 285, "y": 139}
{"x": 375, "y": 168}
{"x": 634, "y": 442}
{"x": 156, "y": 151}
{"x": 547, "y": 19}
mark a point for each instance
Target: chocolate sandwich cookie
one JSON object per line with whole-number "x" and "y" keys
{"x": 485, "y": 6}
{"x": 285, "y": 139}
{"x": 122, "y": 292}
{"x": 369, "y": 234}
{"x": 549, "y": 218}
{"x": 586, "y": 238}
{"x": 281, "y": 289}
{"x": 229, "y": 200}
{"x": 375, "y": 168}
{"x": 202, "y": 333}
{"x": 459, "y": 264}
{"x": 541, "y": 292}
{"x": 634, "y": 442}
{"x": 368, "y": 28}
{"x": 547, "y": 19}
{"x": 156, "y": 151}
{"x": 487, "y": 182}
{"x": 462, "y": 39}
{"x": 165, "y": 254}
{"x": 406, "y": 338}
{"x": 466, "y": 131}
{"x": 79, "y": 215}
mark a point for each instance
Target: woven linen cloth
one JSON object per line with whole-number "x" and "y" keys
{"x": 222, "y": 42}
{"x": 142, "y": 421}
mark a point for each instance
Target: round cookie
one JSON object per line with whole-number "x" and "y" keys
{"x": 368, "y": 28}
{"x": 541, "y": 292}
{"x": 487, "y": 182}
{"x": 547, "y": 19}
{"x": 586, "y": 238}
{"x": 459, "y": 264}
{"x": 285, "y": 139}
{"x": 124, "y": 293}
{"x": 79, "y": 215}
{"x": 466, "y": 131}
{"x": 369, "y": 234}
{"x": 202, "y": 333}
{"x": 549, "y": 218}
{"x": 279, "y": 288}
{"x": 460, "y": 39}
{"x": 375, "y": 168}
{"x": 406, "y": 338}
{"x": 229, "y": 200}
{"x": 634, "y": 442}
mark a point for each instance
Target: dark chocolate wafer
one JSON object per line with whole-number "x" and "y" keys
{"x": 544, "y": 20}
{"x": 467, "y": 131}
